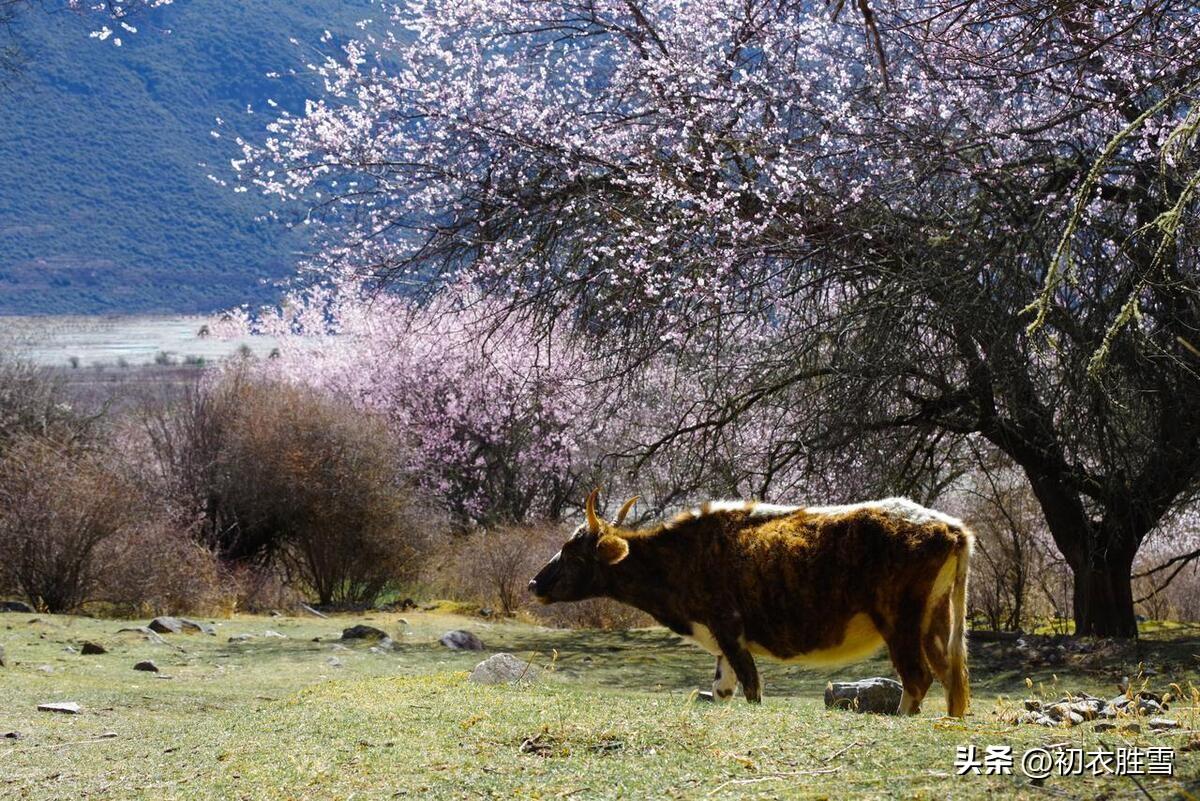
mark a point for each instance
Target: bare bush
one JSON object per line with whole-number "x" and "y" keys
{"x": 59, "y": 508}
{"x": 492, "y": 568}
{"x": 281, "y": 476}
{"x": 153, "y": 569}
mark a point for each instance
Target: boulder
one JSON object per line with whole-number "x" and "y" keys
{"x": 878, "y": 695}
{"x": 503, "y": 669}
{"x": 461, "y": 640}
{"x": 177, "y": 625}
{"x": 147, "y": 666}
{"x": 64, "y": 707}
{"x": 90, "y": 648}
{"x": 194, "y": 626}
{"x": 165, "y": 625}
{"x": 146, "y": 632}
{"x": 363, "y": 632}
{"x": 16, "y": 606}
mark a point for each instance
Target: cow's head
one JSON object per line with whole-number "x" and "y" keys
{"x": 577, "y": 571}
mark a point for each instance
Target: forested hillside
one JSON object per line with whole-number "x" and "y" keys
{"x": 105, "y": 152}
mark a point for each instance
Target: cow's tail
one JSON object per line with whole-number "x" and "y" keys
{"x": 958, "y": 690}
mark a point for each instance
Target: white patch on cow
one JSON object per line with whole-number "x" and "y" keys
{"x": 773, "y": 510}
{"x": 859, "y": 640}
{"x": 702, "y": 636}
{"x": 724, "y": 682}
{"x": 896, "y": 507}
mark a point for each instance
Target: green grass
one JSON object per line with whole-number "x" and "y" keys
{"x": 615, "y": 717}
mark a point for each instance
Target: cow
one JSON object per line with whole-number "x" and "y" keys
{"x": 816, "y": 585}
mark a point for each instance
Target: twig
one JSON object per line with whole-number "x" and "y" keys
{"x": 839, "y": 752}
{"x": 772, "y": 777}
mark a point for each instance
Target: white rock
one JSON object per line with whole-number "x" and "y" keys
{"x": 503, "y": 669}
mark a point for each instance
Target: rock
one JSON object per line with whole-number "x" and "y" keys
{"x": 363, "y": 632}
{"x": 1104, "y": 725}
{"x": 146, "y": 665}
{"x": 276, "y": 613}
{"x": 1131, "y": 728}
{"x": 461, "y": 640}
{"x": 47, "y": 669}
{"x": 147, "y": 632}
{"x": 16, "y": 606}
{"x": 3, "y": 662}
{"x": 404, "y": 621}
{"x": 878, "y": 695}
{"x": 1033, "y": 705}
{"x": 90, "y": 648}
{"x": 337, "y": 646}
{"x": 406, "y": 604}
{"x": 65, "y": 707}
{"x": 333, "y": 662}
{"x": 192, "y": 626}
{"x": 274, "y": 635}
{"x": 385, "y": 646}
{"x": 70, "y": 649}
{"x": 165, "y": 625}
{"x": 503, "y": 669}
{"x": 13, "y": 735}
{"x": 486, "y": 611}
{"x": 1162, "y": 724}
{"x": 177, "y": 625}
{"x": 241, "y": 637}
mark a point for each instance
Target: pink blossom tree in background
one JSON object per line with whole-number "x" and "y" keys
{"x": 870, "y": 238}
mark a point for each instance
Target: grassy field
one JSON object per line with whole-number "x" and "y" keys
{"x": 614, "y": 716}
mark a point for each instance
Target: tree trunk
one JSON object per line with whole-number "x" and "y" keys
{"x": 1104, "y": 598}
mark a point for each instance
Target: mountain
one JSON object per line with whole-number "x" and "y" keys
{"x": 105, "y": 201}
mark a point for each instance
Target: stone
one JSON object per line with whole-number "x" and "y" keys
{"x": 878, "y": 695}
{"x": 70, "y": 649}
{"x": 13, "y": 735}
{"x": 63, "y": 707}
{"x": 47, "y": 669}
{"x": 166, "y": 625}
{"x": 90, "y": 648}
{"x": 1131, "y": 728}
{"x": 193, "y": 626}
{"x": 312, "y": 611}
{"x": 1104, "y": 725}
{"x": 146, "y": 632}
{"x": 275, "y": 635}
{"x": 503, "y": 669}
{"x": 333, "y": 662}
{"x": 386, "y": 645}
{"x": 363, "y": 632}
{"x": 177, "y": 625}
{"x": 146, "y": 665}
{"x": 241, "y": 637}
{"x": 16, "y": 606}
{"x": 461, "y": 640}
{"x": 3, "y": 661}
{"x": 1162, "y": 724}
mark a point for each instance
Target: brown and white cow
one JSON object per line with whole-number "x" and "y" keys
{"x": 818, "y": 585}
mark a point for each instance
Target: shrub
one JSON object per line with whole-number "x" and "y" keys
{"x": 280, "y": 476}
{"x": 493, "y": 567}
{"x": 59, "y": 508}
{"x": 153, "y": 568}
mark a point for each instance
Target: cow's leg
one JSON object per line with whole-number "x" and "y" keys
{"x": 904, "y": 646}
{"x": 724, "y": 681}
{"x": 935, "y": 643}
{"x": 734, "y": 651}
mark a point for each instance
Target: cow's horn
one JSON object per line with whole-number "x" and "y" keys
{"x": 625, "y": 509}
{"x": 593, "y": 520}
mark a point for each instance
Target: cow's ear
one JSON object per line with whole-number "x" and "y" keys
{"x": 611, "y": 549}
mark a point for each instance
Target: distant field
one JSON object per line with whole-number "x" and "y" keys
{"x": 614, "y": 717}
{"x": 71, "y": 341}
